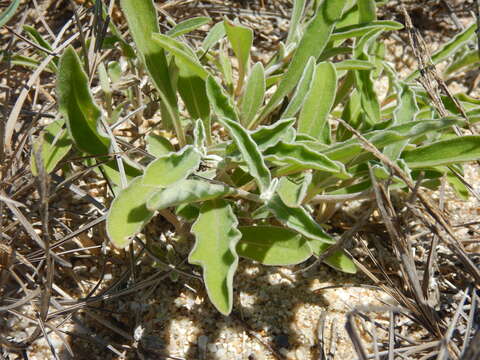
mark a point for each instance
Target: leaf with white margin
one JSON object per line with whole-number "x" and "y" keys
{"x": 128, "y": 213}
{"x": 216, "y": 237}
{"x": 172, "y": 167}
{"x": 187, "y": 191}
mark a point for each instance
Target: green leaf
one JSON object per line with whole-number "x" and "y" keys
{"x": 172, "y": 167}
{"x": 6, "y": 15}
{"x": 36, "y": 37}
{"x": 449, "y": 48}
{"x": 158, "y": 145}
{"x": 194, "y": 94}
{"x": 268, "y": 136}
{"x": 293, "y": 29}
{"x": 55, "y": 145}
{"x": 316, "y": 37}
{"x": 303, "y": 88}
{"x": 250, "y": 153}
{"x": 354, "y": 64}
{"x": 188, "y": 25}
{"x": 241, "y": 39}
{"x": 142, "y": 22}
{"x": 358, "y": 30}
{"x": 185, "y": 192}
{"x": 466, "y": 61}
{"x": 77, "y": 106}
{"x": 405, "y": 112}
{"x": 216, "y": 237}
{"x": 180, "y": 51}
{"x": 313, "y": 118}
{"x": 128, "y": 213}
{"x": 293, "y": 189}
{"x": 444, "y": 152}
{"x": 339, "y": 261}
{"x": 347, "y": 150}
{"x": 367, "y": 11}
{"x": 253, "y": 95}
{"x": 302, "y": 156}
{"x": 298, "y": 219}
{"x": 364, "y": 82}
{"x": 219, "y": 101}
{"x": 214, "y": 35}
{"x": 273, "y": 245}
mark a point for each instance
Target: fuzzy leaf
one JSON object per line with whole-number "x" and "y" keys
{"x": 55, "y": 145}
{"x": 444, "y": 152}
{"x": 366, "y": 10}
{"x": 316, "y": 37}
{"x": 298, "y": 219}
{"x": 214, "y": 35}
{"x": 185, "y": 192}
{"x": 301, "y": 155}
{"x": 188, "y": 25}
{"x": 180, "y": 51}
{"x": 241, "y": 39}
{"x": 158, "y": 145}
{"x": 358, "y": 30}
{"x": 219, "y": 101}
{"x": 7, "y": 14}
{"x": 142, "y": 22}
{"x": 293, "y": 29}
{"x": 172, "y": 167}
{"x": 77, "y": 106}
{"x": 292, "y": 189}
{"x": 128, "y": 213}
{"x": 216, "y": 238}
{"x": 273, "y": 245}
{"x": 354, "y": 64}
{"x": 301, "y": 91}
{"x": 250, "y": 153}
{"x": 254, "y": 93}
{"x": 313, "y": 118}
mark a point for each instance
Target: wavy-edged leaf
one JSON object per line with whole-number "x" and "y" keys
{"x": 220, "y": 102}
{"x": 187, "y": 191}
{"x": 301, "y": 155}
{"x": 273, "y": 245}
{"x": 216, "y": 238}
{"x": 8, "y": 13}
{"x": 316, "y": 37}
{"x": 158, "y": 145}
{"x": 444, "y": 152}
{"x": 128, "y": 213}
{"x": 172, "y": 167}
{"x": 77, "y": 106}
{"x": 55, "y": 145}
{"x": 298, "y": 219}
{"x": 179, "y": 50}
{"x": 313, "y": 118}
{"x": 253, "y": 95}
{"x": 250, "y": 153}
{"x": 293, "y": 189}
{"x": 361, "y": 29}
{"x": 188, "y": 25}
{"x": 301, "y": 91}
